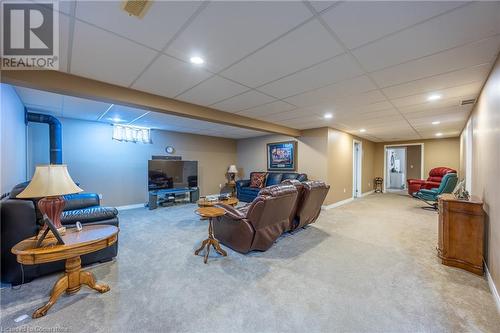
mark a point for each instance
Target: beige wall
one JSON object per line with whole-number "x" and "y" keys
{"x": 323, "y": 153}
{"x": 311, "y": 153}
{"x": 486, "y": 164}
{"x": 437, "y": 152}
{"x": 118, "y": 170}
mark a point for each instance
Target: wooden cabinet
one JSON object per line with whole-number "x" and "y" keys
{"x": 461, "y": 233}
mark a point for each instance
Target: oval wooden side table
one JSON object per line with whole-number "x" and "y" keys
{"x": 76, "y": 243}
{"x": 210, "y": 213}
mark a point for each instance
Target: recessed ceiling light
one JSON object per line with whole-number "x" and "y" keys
{"x": 328, "y": 116}
{"x": 439, "y": 134}
{"x": 362, "y": 130}
{"x": 197, "y": 60}
{"x": 434, "y": 97}
{"x": 436, "y": 122}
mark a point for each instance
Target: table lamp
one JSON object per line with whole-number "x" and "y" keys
{"x": 50, "y": 182}
{"x": 232, "y": 171}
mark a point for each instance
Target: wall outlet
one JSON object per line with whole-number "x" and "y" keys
{"x": 220, "y": 185}
{"x": 369, "y": 184}
{"x": 345, "y": 191}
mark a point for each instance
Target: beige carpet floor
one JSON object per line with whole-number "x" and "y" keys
{"x": 367, "y": 266}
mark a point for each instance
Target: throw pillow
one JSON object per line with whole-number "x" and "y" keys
{"x": 258, "y": 179}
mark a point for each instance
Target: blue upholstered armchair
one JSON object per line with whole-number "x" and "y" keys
{"x": 430, "y": 197}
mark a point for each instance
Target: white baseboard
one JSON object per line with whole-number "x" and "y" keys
{"x": 336, "y": 204}
{"x": 493, "y": 288}
{"x": 127, "y": 207}
{"x": 343, "y": 202}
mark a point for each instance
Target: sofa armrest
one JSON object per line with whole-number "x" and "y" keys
{"x": 231, "y": 212}
{"x": 416, "y": 181}
{"x": 81, "y": 201}
{"x": 242, "y": 183}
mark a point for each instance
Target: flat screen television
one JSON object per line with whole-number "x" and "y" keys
{"x": 172, "y": 174}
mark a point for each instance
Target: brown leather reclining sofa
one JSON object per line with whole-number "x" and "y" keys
{"x": 277, "y": 209}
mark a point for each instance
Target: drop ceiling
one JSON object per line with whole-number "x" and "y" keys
{"x": 371, "y": 64}
{"x": 90, "y": 110}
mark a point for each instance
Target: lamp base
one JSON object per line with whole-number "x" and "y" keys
{"x": 52, "y": 207}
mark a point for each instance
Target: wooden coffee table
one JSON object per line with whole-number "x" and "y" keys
{"x": 210, "y": 213}
{"x": 205, "y": 203}
{"x": 90, "y": 239}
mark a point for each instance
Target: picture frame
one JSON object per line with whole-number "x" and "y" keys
{"x": 282, "y": 156}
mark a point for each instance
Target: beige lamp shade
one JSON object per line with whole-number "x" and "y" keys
{"x": 232, "y": 169}
{"x": 48, "y": 181}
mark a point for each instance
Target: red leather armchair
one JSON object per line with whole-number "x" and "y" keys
{"x": 434, "y": 180}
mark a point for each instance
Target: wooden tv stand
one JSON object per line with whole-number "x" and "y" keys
{"x": 461, "y": 233}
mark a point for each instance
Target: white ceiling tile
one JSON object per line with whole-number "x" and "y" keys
{"x": 439, "y": 82}
{"x": 211, "y": 91}
{"x": 464, "y": 25}
{"x": 224, "y": 32}
{"x": 333, "y": 92}
{"x": 322, "y": 5}
{"x": 244, "y": 101}
{"x": 292, "y": 114}
{"x": 40, "y": 99}
{"x": 106, "y": 57}
{"x": 169, "y": 77}
{"x": 450, "y": 93}
{"x": 303, "y": 47}
{"x": 161, "y": 21}
{"x": 121, "y": 114}
{"x": 481, "y": 52}
{"x": 335, "y": 70}
{"x": 438, "y": 112}
{"x": 64, "y": 32}
{"x": 343, "y": 116}
{"x": 80, "y": 108}
{"x": 266, "y": 109}
{"x": 436, "y": 106}
{"x": 359, "y": 22}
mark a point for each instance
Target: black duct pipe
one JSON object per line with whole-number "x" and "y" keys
{"x": 55, "y": 134}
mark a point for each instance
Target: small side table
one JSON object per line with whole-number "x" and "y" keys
{"x": 76, "y": 243}
{"x": 210, "y": 213}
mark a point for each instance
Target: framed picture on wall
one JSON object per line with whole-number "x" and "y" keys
{"x": 282, "y": 155}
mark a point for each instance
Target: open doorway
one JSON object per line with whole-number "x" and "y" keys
{"x": 396, "y": 168}
{"x": 357, "y": 156}
{"x": 402, "y": 162}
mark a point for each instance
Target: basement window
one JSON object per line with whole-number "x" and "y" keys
{"x": 131, "y": 134}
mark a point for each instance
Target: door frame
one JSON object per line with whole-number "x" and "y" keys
{"x": 421, "y": 144}
{"x": 359, "y": 168}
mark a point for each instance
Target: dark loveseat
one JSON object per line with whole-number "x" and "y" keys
{"x": 19, "y": 220}
{"x": 246, "y": 193}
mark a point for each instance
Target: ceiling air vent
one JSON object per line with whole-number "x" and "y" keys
{"x": 468, "y": 101}
{"x": 136, "y": 8}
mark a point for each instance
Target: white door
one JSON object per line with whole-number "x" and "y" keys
{"x": 356, "y": 169}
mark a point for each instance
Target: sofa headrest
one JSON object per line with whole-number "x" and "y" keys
{"x": 294, "y": 182}
{"x": 278, "y": 190}
{"x": 315, "y": 184}
{"x": 440, "y": 171}
{"x": 18, "y": 189}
